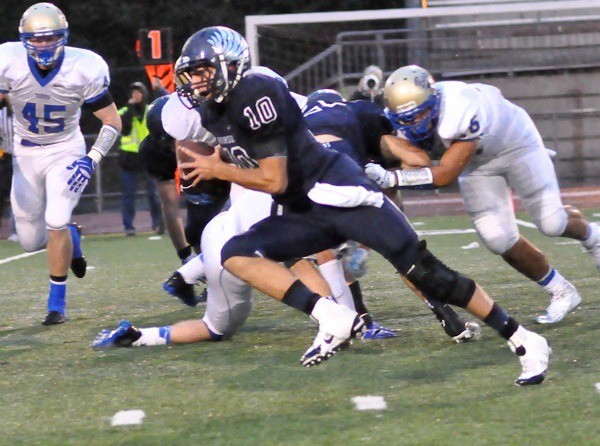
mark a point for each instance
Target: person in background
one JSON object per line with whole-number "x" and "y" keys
{"x": 370, "y": 86}
{"x": 134, "y": 131}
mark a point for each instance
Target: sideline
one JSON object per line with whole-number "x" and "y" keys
{"x": 21, "y": 256}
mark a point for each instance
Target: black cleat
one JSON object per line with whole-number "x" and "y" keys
{"x": 54, "y": 318}
{"x": 79, "y": 264}
{"x": 176, "y": 286}
{"x": 79, "y": 267}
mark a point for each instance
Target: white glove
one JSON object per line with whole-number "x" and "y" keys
{"x": 384, "y": 178}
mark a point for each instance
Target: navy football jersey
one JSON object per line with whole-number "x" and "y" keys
{"x": 260, "y": 119}
{"x": 361, "y": 123}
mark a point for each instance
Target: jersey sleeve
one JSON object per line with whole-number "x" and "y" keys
{"x": 97, "y": 77}
{"x": 268, "y": 113}
{"x": 462, "y": 114}
{"x": 183, "y": 123}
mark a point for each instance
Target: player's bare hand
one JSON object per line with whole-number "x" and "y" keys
{"x": 199, "y": 167}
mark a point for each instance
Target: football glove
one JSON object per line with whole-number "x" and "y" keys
{"x": 83, "y": 168}
{"x": 384, "y": 178}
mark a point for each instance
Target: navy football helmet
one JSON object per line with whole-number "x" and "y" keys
{"x": 222, "y": 50}
{"x": 412, "y": 102}
{"x": 44, "y": 31}
{"x": 326, "y": 95}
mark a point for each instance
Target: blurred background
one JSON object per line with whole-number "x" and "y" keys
{"x": 543, "y": 55}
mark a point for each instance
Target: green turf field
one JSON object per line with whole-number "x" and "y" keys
{"x": 55, "y": 390}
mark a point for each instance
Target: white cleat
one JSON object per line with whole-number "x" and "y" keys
{"x": 534, "y": 353}
{"x": 337, "y": 326}
{"x": 561, "y": 302}
{"x": 594, "y": 248}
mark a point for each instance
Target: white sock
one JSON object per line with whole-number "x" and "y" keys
{"x": 193, "y": 271}
{"x": 553, "y": 281}
{"x": 333, "y": 272}
{"x": 154, "y": 336}
{"x": 589, "y": 242}
{"x": 517, "y": 339}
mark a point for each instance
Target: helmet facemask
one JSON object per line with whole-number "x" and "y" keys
{"x": 44, "y": 32}
{"x": 418, "y": 123}
{"x": 412, "y": 102}
{"x": 219, "y": 56}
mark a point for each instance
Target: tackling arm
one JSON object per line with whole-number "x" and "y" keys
{"x": 452, "y": 163}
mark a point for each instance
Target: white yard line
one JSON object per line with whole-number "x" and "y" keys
{"x": 20, "y": 256}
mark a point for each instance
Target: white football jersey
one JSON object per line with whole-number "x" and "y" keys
{"x": 47, "y": 109}
{"x": 480, "y": 112}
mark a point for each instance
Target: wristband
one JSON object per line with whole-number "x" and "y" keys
{"x": 414, "y": 177}
{"x": 106, "y": 139}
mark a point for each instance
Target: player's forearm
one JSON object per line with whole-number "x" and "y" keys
{"x": 250, "y": 178}
{"x": 271, "y": 181}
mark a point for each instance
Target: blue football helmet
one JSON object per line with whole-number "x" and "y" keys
{"x": 217, "y": 47}
{"x": 412, "y": 102}
{"x": 326, "y": 95}
{"x": 44, "y": 22}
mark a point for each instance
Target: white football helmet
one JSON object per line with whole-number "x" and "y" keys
{"x": 44, "y": 31}
{"x": 412, "y": 102}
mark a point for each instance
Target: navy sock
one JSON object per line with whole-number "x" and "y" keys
{"x": 76, "y": 237}
{"x": 501, "y": 322}
{"x": 298, "y": 296}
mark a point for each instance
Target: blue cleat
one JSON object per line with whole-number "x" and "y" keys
{"x": 123, "y": 336}
{"x": 78, "y": 261}
{"x": 376, "y": 331}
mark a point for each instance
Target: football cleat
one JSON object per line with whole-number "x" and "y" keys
{"x": 471, "y": 332}
{"x": 326, "y": 345}
{"x": 78, "y": 262}
{"x": 534, "y": 353}
{"x": 123, "y": 336}
{"x": 176, "y": 286}
{"x": 54, "y": 318}
{"x": 376, "y": 331}
{"x": 561, "y": 302}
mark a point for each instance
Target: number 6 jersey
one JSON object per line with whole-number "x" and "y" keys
{"x": 480, "y": 112}
{"x": 47, "y": 108}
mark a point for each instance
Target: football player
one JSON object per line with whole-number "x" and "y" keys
{"x": 322, "y": 197}
{"x": 157, "y": 155}
{"x": 492, "y": 147}
{"x": 356, "y": 128}
{"x": 47, "y": 82}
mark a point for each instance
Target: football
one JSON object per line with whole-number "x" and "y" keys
{"x": 212, "y": 187}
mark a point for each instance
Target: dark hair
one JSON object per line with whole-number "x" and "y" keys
{"x": 141, "y": 88}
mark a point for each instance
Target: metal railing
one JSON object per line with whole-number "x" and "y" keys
{"x": 458, "y": 49}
